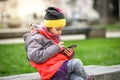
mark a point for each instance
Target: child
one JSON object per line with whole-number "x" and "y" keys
{"x": 46, "y": 51}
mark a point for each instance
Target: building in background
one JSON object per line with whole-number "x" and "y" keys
{"x": 21, "y": 12}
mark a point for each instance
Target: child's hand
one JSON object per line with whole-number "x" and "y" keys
{"x": 61, "y": 44}
{"x": 32, "y": 29}
{"x": 69, "y": 51}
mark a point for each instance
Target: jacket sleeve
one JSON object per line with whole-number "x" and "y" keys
{"x": 38, "y": 54}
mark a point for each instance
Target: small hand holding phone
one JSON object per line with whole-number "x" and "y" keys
{"x": 69, "y": 52}
{"x": 72, "y": 46}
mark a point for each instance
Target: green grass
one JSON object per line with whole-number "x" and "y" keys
{"x": 98, "y": 51}
{"x": 13, "y": 60}
{"x": 90, "y": 51}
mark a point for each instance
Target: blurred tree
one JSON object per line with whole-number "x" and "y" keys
{"x": 108, "y": 9}
{"x": 115, "y": 10}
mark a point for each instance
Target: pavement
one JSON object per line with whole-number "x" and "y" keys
{"x": 109, "y": 34}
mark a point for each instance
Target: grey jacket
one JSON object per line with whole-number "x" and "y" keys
{"x": 39, "y": 48}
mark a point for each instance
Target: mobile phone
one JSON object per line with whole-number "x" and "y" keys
{"x": 72, "y": 46}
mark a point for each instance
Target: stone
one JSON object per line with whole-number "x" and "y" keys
{"x": 97, "y": 72}
{"x": 97, "y": 32}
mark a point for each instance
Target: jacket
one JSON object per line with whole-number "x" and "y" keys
{"x": 43, "y": 54}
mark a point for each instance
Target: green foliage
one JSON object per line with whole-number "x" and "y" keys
{"x": 91, "y": 51}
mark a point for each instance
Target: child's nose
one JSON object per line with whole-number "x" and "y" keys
{"x": 60, "y": 32}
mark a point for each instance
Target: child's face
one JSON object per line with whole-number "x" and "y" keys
{"x": 56, "y": 31}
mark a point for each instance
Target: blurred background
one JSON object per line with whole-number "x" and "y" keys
{"x": 17, "y": 13}
{"x": 99, "y": 20}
